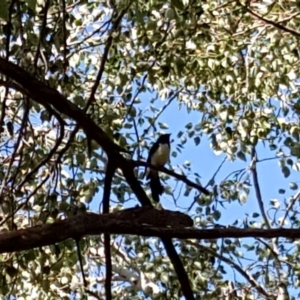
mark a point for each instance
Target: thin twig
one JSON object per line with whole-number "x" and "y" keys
{"x": 41, "y": 36}
{"x": 211, "y": 180}
{"x": 262, "y": 208}
{"x": 290, "y": 206}
{"x": 173, "y": 174}
{"x": 275, "y": 24}
{"x": 49, "y": 156}
{"x": 105, "y": 56}
{"x": 239, "y": 269}
{"x": 65, "y": 52}
{"x": 257, "y": 187}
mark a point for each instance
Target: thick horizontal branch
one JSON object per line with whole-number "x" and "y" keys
{"x": 46, "y": 96}
{"x": 94, "y": 224}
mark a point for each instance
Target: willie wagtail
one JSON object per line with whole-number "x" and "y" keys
{"x": 159, "y": 155}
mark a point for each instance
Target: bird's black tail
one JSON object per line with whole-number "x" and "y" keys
{"x": 156, "y": 187}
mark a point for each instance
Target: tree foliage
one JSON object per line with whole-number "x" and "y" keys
{"x": 119, "y": 66}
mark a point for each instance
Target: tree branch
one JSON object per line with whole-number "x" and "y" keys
{"x": 110, "y": 170}
{"x": 121, "y": 223}
{"x": 257, "y": 187}
{"x": 175, "y": 175}
{"x": 275, "y": 24}
{"x": 234, "y": 265}
{"x": 108, "y": 44}
{"x": 45, "y": 95}
{"x": 262, "y": 209}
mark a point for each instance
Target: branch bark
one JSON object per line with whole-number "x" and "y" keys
{"x": 47, "y": 96}
{"x": 276, "y": 24}
{"x": 116, "y": 223}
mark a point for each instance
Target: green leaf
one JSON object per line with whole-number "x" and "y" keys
{"x": 45, "y": 116}
{"x": 228, "y": 241}
{"x": 216, "y": 215}
{"x": 293, "y": 186}
{"x": 242, "y": 197}
{"x": 180, "y": 134}
{"x": 164, "y": 277}
{"x": 189, "y": 126}
{"x": 80, "y": 157}
{"x": 286, "y": 171}
{"x": 197, "y": 140}
{"x": 275, "y": 203}
{"x": 3, "y": 10}
{"x": 241, "y": 155}
{"x": 178, "y": 4}
{"x": 163, "y": 125}
{"x": 31, "y": 4}
{"x": 128, "y": 125}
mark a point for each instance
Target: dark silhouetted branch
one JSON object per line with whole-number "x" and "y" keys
{"x": 274, "y": 23}
{"x": 127, "y": 222}
{"x": 47, "y": 96}
{"x": 110, "y": 170}
{"x": 175, "y": 175}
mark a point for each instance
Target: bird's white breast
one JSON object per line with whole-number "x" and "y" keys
{"x": 161, "y": 156}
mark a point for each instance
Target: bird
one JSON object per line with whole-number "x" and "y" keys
{"x": 159, "y": 155}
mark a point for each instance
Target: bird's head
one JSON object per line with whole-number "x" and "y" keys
{"x": 164, "y": 138}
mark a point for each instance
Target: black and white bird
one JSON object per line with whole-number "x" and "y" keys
{"x": 159, "y": 155}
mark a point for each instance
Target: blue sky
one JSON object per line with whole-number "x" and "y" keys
{"x": 205, "y": 163}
